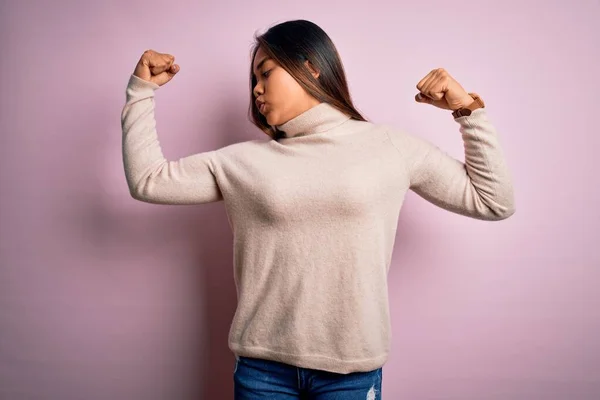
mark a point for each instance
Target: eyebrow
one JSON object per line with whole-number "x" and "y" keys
{"x": 260, "y": 64}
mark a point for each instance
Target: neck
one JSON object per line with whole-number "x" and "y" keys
{"x": 317, "y": 119}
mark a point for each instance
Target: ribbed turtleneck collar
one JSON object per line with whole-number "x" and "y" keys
{"x": 319, "y": 118}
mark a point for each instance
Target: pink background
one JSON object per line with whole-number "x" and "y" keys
{"x": 105, "y": 297}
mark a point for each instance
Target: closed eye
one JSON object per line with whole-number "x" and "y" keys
{"x": 266, "y": 73}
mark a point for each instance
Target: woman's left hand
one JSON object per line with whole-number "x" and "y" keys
{"x": 440, "y": 89}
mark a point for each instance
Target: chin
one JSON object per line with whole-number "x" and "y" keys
{"x": 271, "y": 120}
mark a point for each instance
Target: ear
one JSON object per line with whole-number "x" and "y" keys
{"x": 312, "y": 69}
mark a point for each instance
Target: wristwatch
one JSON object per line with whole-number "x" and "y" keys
{"x": 466, "y": 111}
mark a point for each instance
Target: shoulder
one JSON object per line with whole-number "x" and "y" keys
{"x": 393, "y": 131}
{"x": 369, "y": 127}
{"x": 408, "y": 145}
{"x": 242, "y": 149}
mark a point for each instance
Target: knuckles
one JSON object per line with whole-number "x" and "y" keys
{"x": 437, "y": 73}
{"x": 156, "y": 59}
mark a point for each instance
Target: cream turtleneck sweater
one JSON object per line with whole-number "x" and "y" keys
{"x": 314, "y": 220}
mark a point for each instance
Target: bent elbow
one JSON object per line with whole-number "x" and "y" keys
{"x": 503, "y": 205}
{"x": 137, "y": 195}
{"x": 138, "y": 191}
{"x": 504, "y": 209}
{"x": 504, "y": 212}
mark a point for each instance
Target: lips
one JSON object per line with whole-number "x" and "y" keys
{"x": 261, "y": 106}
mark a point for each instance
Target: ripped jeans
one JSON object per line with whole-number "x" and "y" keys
{"x": 263, "y": 379}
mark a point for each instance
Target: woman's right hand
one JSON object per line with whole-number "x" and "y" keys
{"x": 156, "y": 67}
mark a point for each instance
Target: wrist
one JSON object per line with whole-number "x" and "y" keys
{"x": 467, "y": 101}
{"x": 469, "y": 106}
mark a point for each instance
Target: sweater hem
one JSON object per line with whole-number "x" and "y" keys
{"x": 311, "y": 361}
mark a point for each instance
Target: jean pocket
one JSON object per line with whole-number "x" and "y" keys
{"x": 237, "y": 361}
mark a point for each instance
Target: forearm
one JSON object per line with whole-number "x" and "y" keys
{"x": 481, "y": 186}
{"x": 141, "y": 151}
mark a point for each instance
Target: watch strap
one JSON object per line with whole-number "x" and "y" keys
{"x": 466, "y": 111}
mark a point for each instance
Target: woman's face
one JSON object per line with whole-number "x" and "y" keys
{"x": 280, "y": 98}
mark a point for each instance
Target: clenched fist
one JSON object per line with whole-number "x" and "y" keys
{"x": 156, "y": 67}
{"x": 440, "y": 89}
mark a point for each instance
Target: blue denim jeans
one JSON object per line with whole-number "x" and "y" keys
{"x": 263, "y": 379}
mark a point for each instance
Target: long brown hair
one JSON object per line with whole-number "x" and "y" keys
{"x": 291, "y": 44}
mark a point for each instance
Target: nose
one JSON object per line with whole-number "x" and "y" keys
{"x": 257, "y": 90}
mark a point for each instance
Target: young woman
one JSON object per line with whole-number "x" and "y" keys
{"x": 314, "y": 208}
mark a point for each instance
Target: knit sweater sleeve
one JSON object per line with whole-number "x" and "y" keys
{"x": 150, "y": 177}
{"x": 480, "y": 187}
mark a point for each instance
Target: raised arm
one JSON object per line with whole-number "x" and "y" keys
{"x": 481, "y": 186}
{"x": 150, "y": 177}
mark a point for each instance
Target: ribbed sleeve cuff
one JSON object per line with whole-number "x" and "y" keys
{"x": 476, "y": 115}
{"x": 138, "y": 84}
